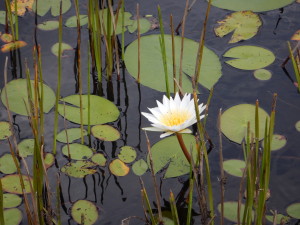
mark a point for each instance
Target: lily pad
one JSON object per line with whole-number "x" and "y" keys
{"x": 73, "y": 134}
{"x": 140, "y": 167}
{"x": 127, "y": 154}
{"x": 26, "y": 147}
{"x": 3, "y": 16}
{"x": 99, "y": 159}
{"x": 49, "y": 160}
{"x": 145, "y": 25}
{"x": 168, "y": 152}
{"x": 6, "y": 38}
{"x": 234, "y": 167}
{"x": 77, "y": 151}
{"x": 244, "y": 26}
{"x": 5, "y": 131}
{"x": 247, "y": 57}
{"x": 293, "y": 210}
{"x": 262, "y": 74}
{"x": 297, "y": 126}
{"x": 12, "y": 46}
{"x": 64, "y": 47}
{"x": 235, "y": 119}
{"x": 105, "y": 133}
{"x": 11, "y": 184}
{"x": 42, "y": 8}
{"x": 279, "y": 218}
{"x": 230, "y": 210}
{"x": 18, "y": 98}
{"x": 11, "y": 200}
{"x": 253, "y": 5}
{"x": 72, "y": 21}
{"x": 152, "y": 71}
{"x": 22, "y": 6}
{"x": 102, "y": 110}
{"x": 86, "y": 211}
{"x": 12, "y": 216}
{"x": 7, "y": 164}
{"x": 278, "y": 142}
{"x": 79, "y": 169}
{"x": 48, "y": 25}
{"x": 118, "y": 168}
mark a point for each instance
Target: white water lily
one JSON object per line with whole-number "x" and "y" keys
{"x": 173, "y": 115}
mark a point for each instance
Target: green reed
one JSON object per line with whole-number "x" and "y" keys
{"x": 174, "y": 209}
{"x": 123, "y": 29}
{"x": 1, "y": 205}
{"x": 295, "y": 65}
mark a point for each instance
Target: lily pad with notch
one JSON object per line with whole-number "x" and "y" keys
{"x": 77, "y": 151}
{"x": 230, "y": 210}
{"x": 26, "y": 147}
{"x": 72, "y": 21}
{"x": 293, "y": 210}
{"x": 83, "y": 210}
{"x": 99, "y": 159}
{"x": 64, "y": 47}
{"x": 279, "y": 219}
{"x": 3, "y": 18}
{"x": 48, "y": 25}
{"x": 79, "y": 169}
{"x": 234, "y": 167}
{"x": 7, "y": 164}
{"x": 53, "y": 5}
{"x": 278, "y": 142}
{"x": 11, "y": 184}
{"x": 140, "y": 167}
{"x": 127, "y": 154}
{"x": 73, "y": 134}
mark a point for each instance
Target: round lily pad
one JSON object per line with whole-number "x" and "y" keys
{"x": 279, "y": 218}
{"x": 118, "y": 168}
{"x": 26, "y": 147}
{"x": 152, "y": 70}
{"x": 231, "y": 209}
{"x": 12, "y": 216}
{"x": 11, "y": 184}
{"x": 140, "y": 167}
{"x": 48, "y": 25}
{"x": 5, "y": 130}
{"x": 73, "y": 134}
{"x": 72, "y": 21}
{"x": 297, "y": 126}
{"x": 77, "y": 151}
{"x": 278, "y": 142}
{"x": 79, "y": 169}
{"x": 127, "y": 154}
{"x": 64, "y": 47}
{"x": 262, "y": 74}
{"x": 99, "y": 159}
{"x": 105, "y": 133}
{"x": 247, "y": 57}
{"x": 53, "y": 5}
{"x": 235, "y": 119}
{"x": 49, "y": 160}
{"x": 18, "y": 98}
{"x": 145, "y": 25}
{"x": 3, "y": 18}
{"x": 7, "y": 164}
{"x": 6, "y": 38}
{"x": 102, "y": 110}
{"x": 293, "y": 210}
{"x": 11, "y": 200}
{"x": 86, "y": 211}
{"x": 234, "y": 167}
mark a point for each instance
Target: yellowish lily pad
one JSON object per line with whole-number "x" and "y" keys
{"x": 12, "y": 46}
{"x": 5, "y": 130}
{"x": 11, "y": 184}
{"x": 118, "y": 168}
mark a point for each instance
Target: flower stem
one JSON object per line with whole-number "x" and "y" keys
{"x": 183, "y": 147}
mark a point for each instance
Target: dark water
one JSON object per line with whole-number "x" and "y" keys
{"x": 119, "y": 197}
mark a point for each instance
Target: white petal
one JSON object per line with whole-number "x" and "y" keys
{"x": 152, "y": 129}
{"x": 162, "y": 108}
{"x": 166, "y": 134}
{"x": 150, "y": 117}
{"x": 156, "y": 112}
{"x": 187, "y": 131}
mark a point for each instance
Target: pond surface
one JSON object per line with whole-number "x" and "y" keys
{"x": 118, "y": 198}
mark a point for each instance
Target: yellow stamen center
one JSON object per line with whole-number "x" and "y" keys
{"x": 175, "y": 118}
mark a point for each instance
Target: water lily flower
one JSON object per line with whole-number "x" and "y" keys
{"x": 173, "y": 115}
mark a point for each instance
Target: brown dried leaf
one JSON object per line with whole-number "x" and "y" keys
{"x": 22, "y": 5}
{"x": 12, "y": 46}
{"x": 296, "y": 36}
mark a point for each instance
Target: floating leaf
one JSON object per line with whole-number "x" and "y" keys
{"x": 64, "y": 47}
{"x": 253, "y": 5}
{"x": 278, "y": 142}
{"x": 168, "y": 152}
{"x": 296, "y": 36}
{"x": 11, "y": 200}
{"x": 249, "y": 57}
{"x": 84, "y": 211}
{"x": 48, "y": 25}
{"x": 231, "y": 209}
{"x": 18, "y": 98}
{"x": 54, "y": 5}
{"x": 49, "y": 160}
{"x": 12, "y": 216}
{"x": 145, "y": 25}
{"x": 293, "y": 210}
{"x": 79, "y": 169}
{"x": 245, "y": 25}
{"x": 26, "y": 147}
{"x": 235, "y": 119}
{"x": 12, "y": 46}
{"x": 5, "y": 131}
{"x": 102, "y": 110}
{"x": 22, "y": 6}
{"x": 73, "y": 134}
{"x": 3, "y": 18}
{"x": 140, "y": 167}
{"x": 6, "y": 38}
{"x": 118, "y": 168}
{"x": 127, "y": 154}
{"x": 152, "y": 71}
{"x": 72, "y": 21}
{"x": 99, "y": 159}
{"x": 297, "y": 126}
{"x": 77, "y": 151}
{"x": 262, "y": 74}
{"x": 11, "y": 184}
{"x": 7, "y": 164}
{"x": 279, "y": 218}
{"x": 234, "y": 167}
{"x": 105, "y": 133}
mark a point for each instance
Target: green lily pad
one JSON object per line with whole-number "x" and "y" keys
{"x": 152, "y": 71}
{"x": 7, "y": 164}
{"x": 278, "y": 142}
{"x": 99, "y": 159}
{"x": 73, "y": 134}
{"x": 86, "y": 211}
{"x": 5, "y": 131}
{"x": 12, "y": 216}
{"x": 118, "y": 168}
{"x": 247, "y": 57}
{"x": 77, "y": 151}
{"x": 72, "y": 21}
{"x": 235, "y": 119}
{"x": 140, "y": 167}
{"x": 3, "y": 16}
{"x": 18, "y": 98}
{"x": 48, "y": 25}
{"x": 244, "y": 26}
{"x": 54, "y": 5}
{"x": 297, "y": 126}
{"x": 145, "y": 25}
{"x": 279, "y": 218}
{"x": 26, "y": 147}
{"x": 102, "y": 110}
{"x": 11, "y": 200}
{"x": 234, "y": 167}
{"x": 49, "y": 160}
{"x": 293, "y": 210}
{"x": 127, "y": 154}
{"x": 253, "y": 5}
{"x": 11, "y": 184}
{"x": 105, "y": 133}
{"x": 64, "y": 47}
{"x": 168, "y": 152}
{"x": 79, "y": 169}
{"x": 262, "y": 74}
{"x": 230, "y": 210}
